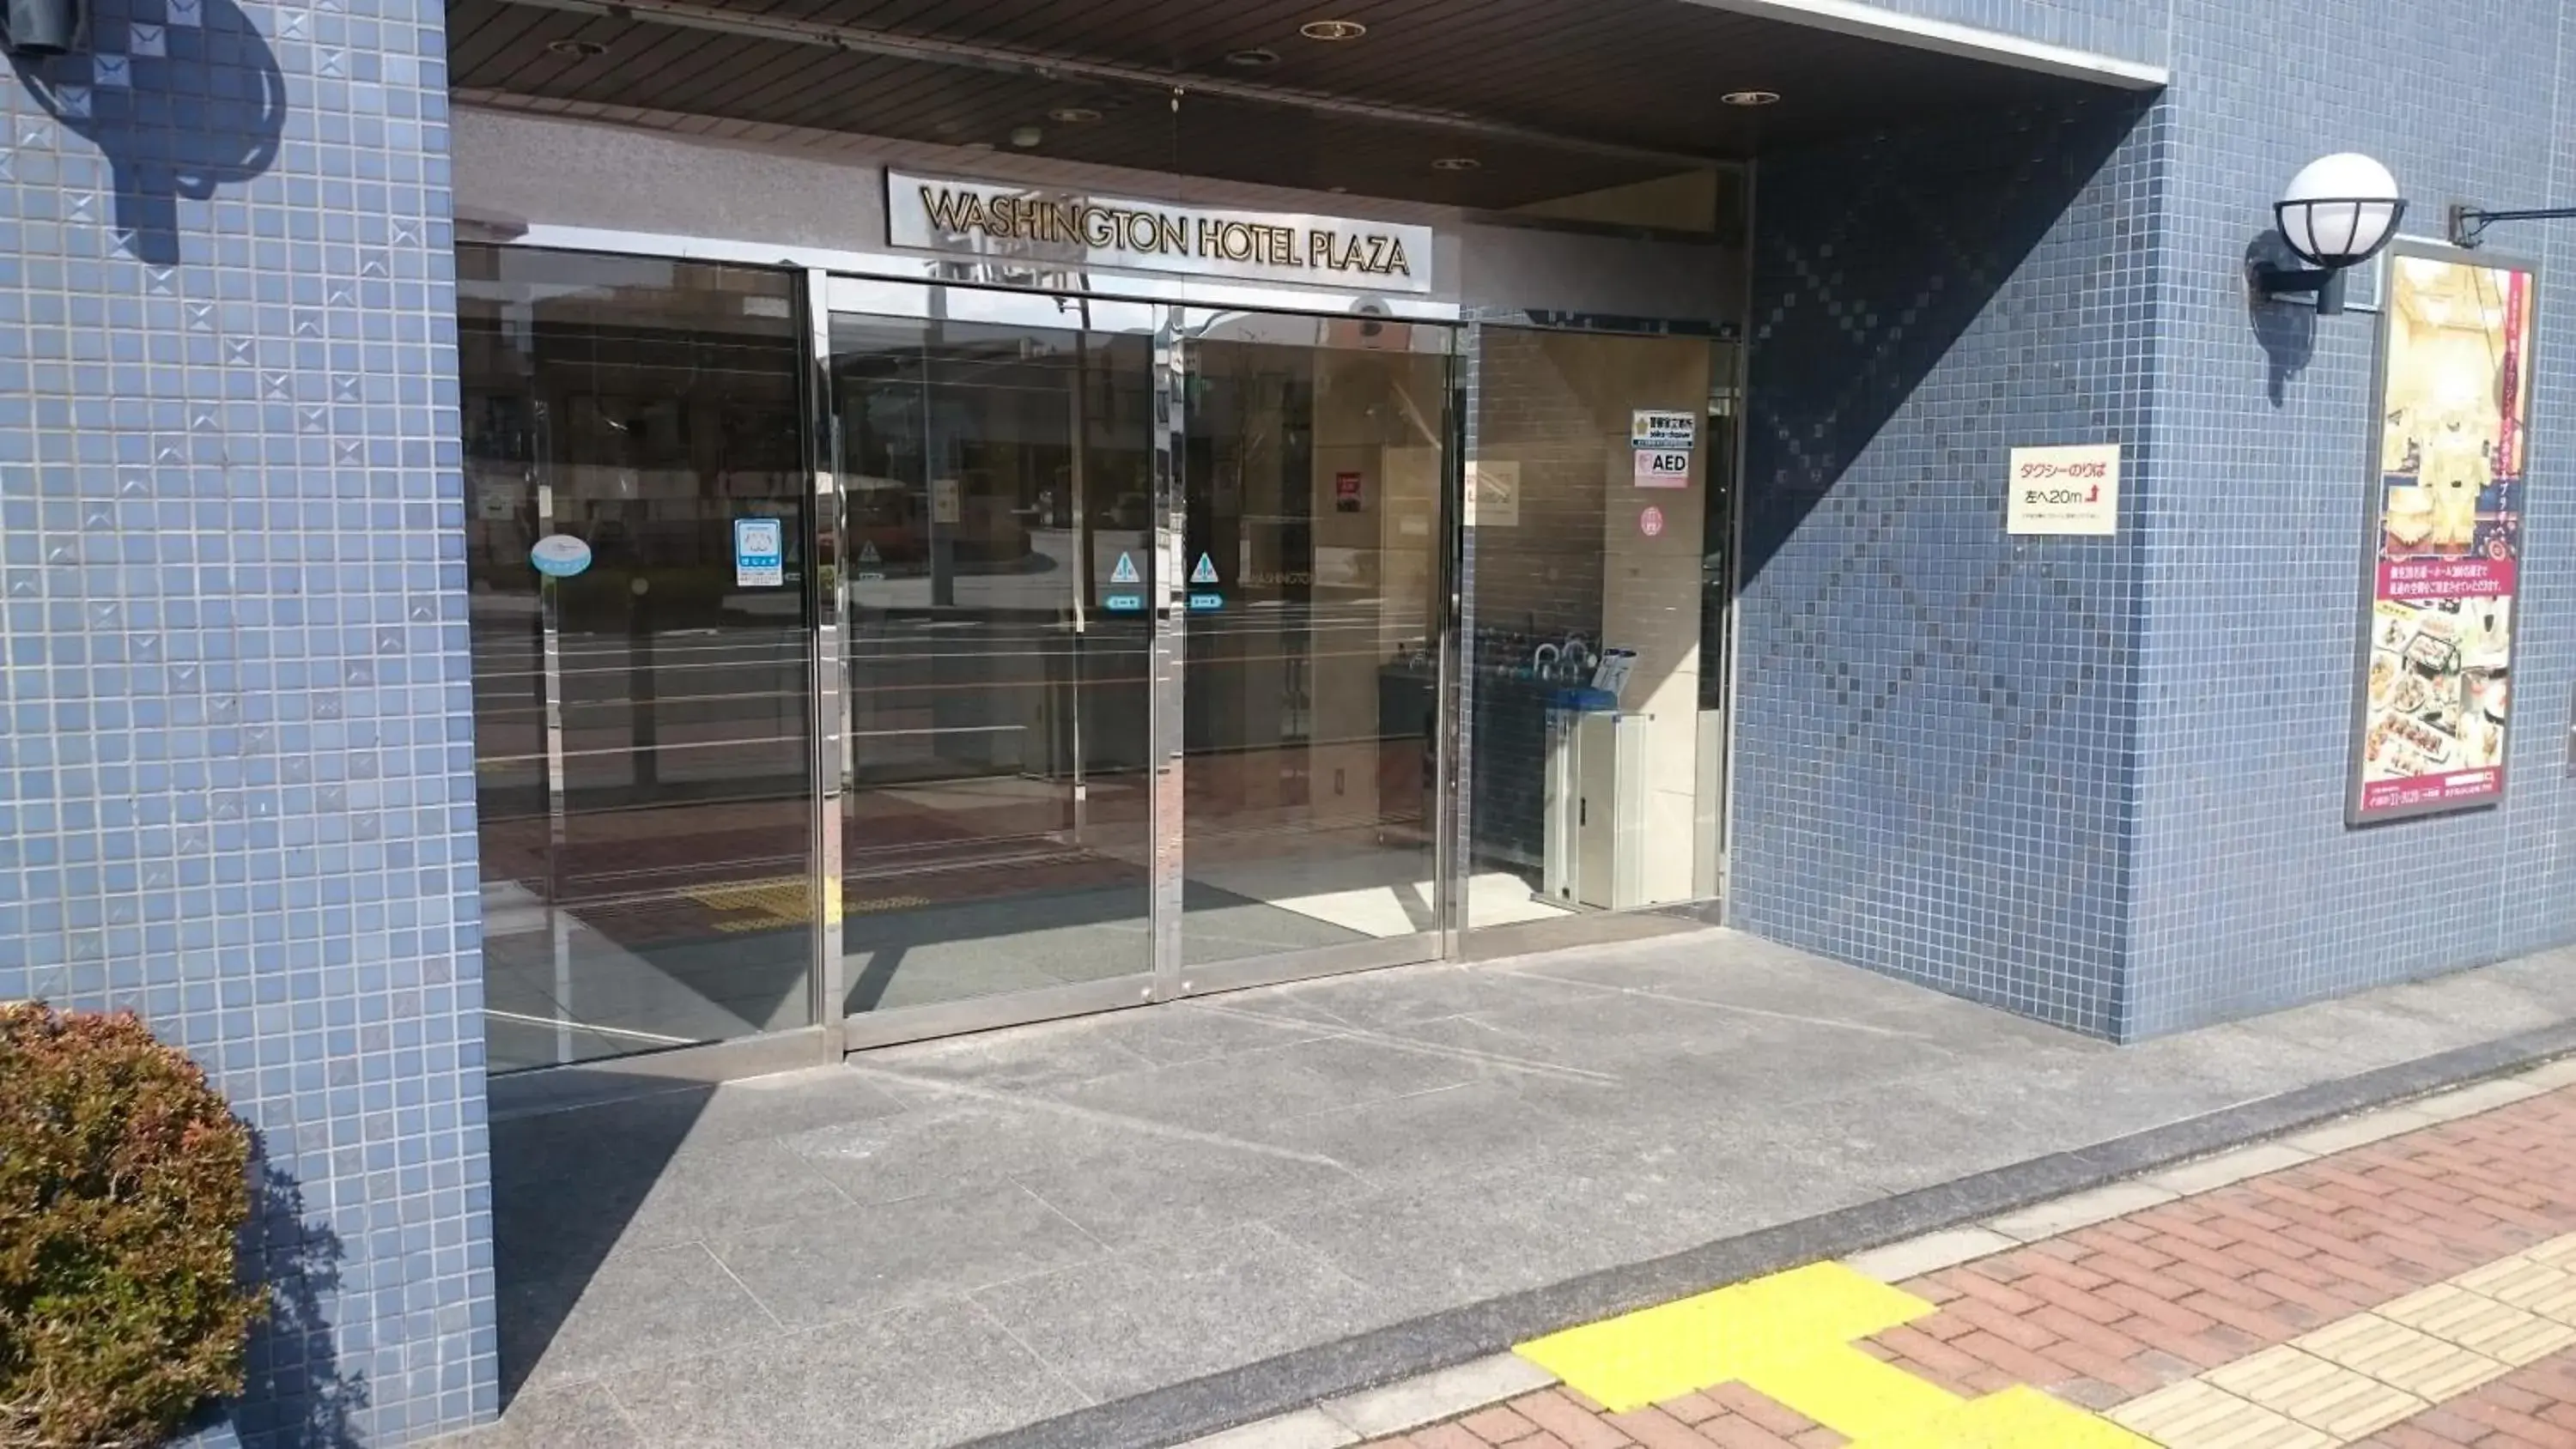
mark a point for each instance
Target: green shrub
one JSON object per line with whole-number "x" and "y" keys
{"x": 124, "y": 1181}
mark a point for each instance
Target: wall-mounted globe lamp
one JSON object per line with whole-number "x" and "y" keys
{"x": 2335, "y": 214}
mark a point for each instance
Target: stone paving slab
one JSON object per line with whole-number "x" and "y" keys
{"x": 2414, "y": 1291}
{"x": 1454, "y": 1157}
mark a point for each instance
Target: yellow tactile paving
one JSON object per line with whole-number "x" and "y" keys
{"x": 2016, "y": 1418}
{"x": 2479, "y": 1323}
{"x": 2527, "y": 1284}
{"x": 1765, "y": 1327}
{"x": 2195, "y": 1414}
{"x": 2402, "y": 1358}
{"x": 757, "y": 905}
{"x": 1789, "y": 1338}
{"x": 2557, "y": 1252}
{"x": 2339, "y": 1401}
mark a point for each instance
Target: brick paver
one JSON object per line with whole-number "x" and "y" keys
{"x": 2109, "y": 1313}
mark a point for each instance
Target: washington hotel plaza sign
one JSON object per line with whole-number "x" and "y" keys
{"x": 1063, "y": 230}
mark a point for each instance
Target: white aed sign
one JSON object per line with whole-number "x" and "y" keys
{"x": 1663, "y": 467}
{"x": 2064, "y": 490}
{"x": 1651, "y": 429}
{"x": 1069, "y": 229}
{"x": 946, "y": 503}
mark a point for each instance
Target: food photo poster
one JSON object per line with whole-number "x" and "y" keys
{"x": 2447, "y": 508}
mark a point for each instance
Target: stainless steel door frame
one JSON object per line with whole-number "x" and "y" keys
{"x": 828, "y": 600}
{"x": 1170, "y": 611}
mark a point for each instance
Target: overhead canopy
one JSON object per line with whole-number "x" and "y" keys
{"x": 1492, "y": 104}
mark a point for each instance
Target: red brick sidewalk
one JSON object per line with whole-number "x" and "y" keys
{"x": 2108, "y": 1313}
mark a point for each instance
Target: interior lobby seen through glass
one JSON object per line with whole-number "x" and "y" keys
{"x": 1601, "y": 492}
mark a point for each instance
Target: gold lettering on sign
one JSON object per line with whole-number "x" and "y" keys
{"x": 959, "y": 212}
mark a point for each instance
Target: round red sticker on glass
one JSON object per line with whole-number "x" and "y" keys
{"x": 1651, "y": 522}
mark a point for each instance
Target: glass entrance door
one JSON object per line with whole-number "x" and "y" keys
{"x": 1312, "y": 487}
{"x": 993, "y": 564}
{"x": 1139, "y": 613}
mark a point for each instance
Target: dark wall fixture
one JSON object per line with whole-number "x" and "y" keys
{"x": 43, "y": 27}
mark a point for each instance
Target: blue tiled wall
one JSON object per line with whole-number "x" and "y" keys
{"x": 2103, "y": 782}
{"x": 235, "y": 774}
{"x": 2251, "y": 892}
{"x": 1936, "y": 759}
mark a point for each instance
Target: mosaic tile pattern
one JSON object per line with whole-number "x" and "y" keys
{"x": 1936, "y": 765}
{"x": 2162, "y": 845}
{"x": 2251, "y": 892}
{"x": 235, "y": 772}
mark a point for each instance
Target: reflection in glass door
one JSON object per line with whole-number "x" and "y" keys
{"x": 1313, "y": 486}
{"x": 995, "y": 566}
{"x": 641, "y": 738}
{"x": 1142, "y": 660}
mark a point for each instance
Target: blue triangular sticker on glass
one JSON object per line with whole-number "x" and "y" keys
{"x": 1205, "y": 573}
{"x": 1125, "y": 573}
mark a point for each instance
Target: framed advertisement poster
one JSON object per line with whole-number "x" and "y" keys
{"x": 2451, "y": 457}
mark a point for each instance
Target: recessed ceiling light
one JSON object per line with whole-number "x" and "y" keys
{"x": 577, "y": 49}
{"x": 1073, "y": 115}
{"x": 1253, "y": 59}
{"x": 977, "y": 146}
{"x": 1026, "y": 136}
{"x": 1332, "y": 30}
{"x": 1456, "y": 163}
{"x": 1751, "y": 98}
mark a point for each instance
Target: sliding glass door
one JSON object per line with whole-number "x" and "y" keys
{"x": 1140, "y": 617}
{"x": 642, "y": 701}
{"x": 916, "y": 657}
{"x": 994, "y": 562}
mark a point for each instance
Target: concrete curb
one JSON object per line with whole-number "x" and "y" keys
{"x": 1268, "y": 1405}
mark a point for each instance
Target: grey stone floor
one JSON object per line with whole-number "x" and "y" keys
{"x": 944, "y": 1240}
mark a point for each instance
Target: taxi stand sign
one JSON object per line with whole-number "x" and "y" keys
{"x": 2066, "y": 490}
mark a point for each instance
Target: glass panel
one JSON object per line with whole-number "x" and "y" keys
{"x": 998, "y": 474}
{"x": 1313, "y": 484}
{"x": 1595, "y": 659}
{"x": 651, "y": 891}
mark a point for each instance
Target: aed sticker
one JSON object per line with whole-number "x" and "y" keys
{"x": 1663, "y": 467}
{"x": 559, "y": 555}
